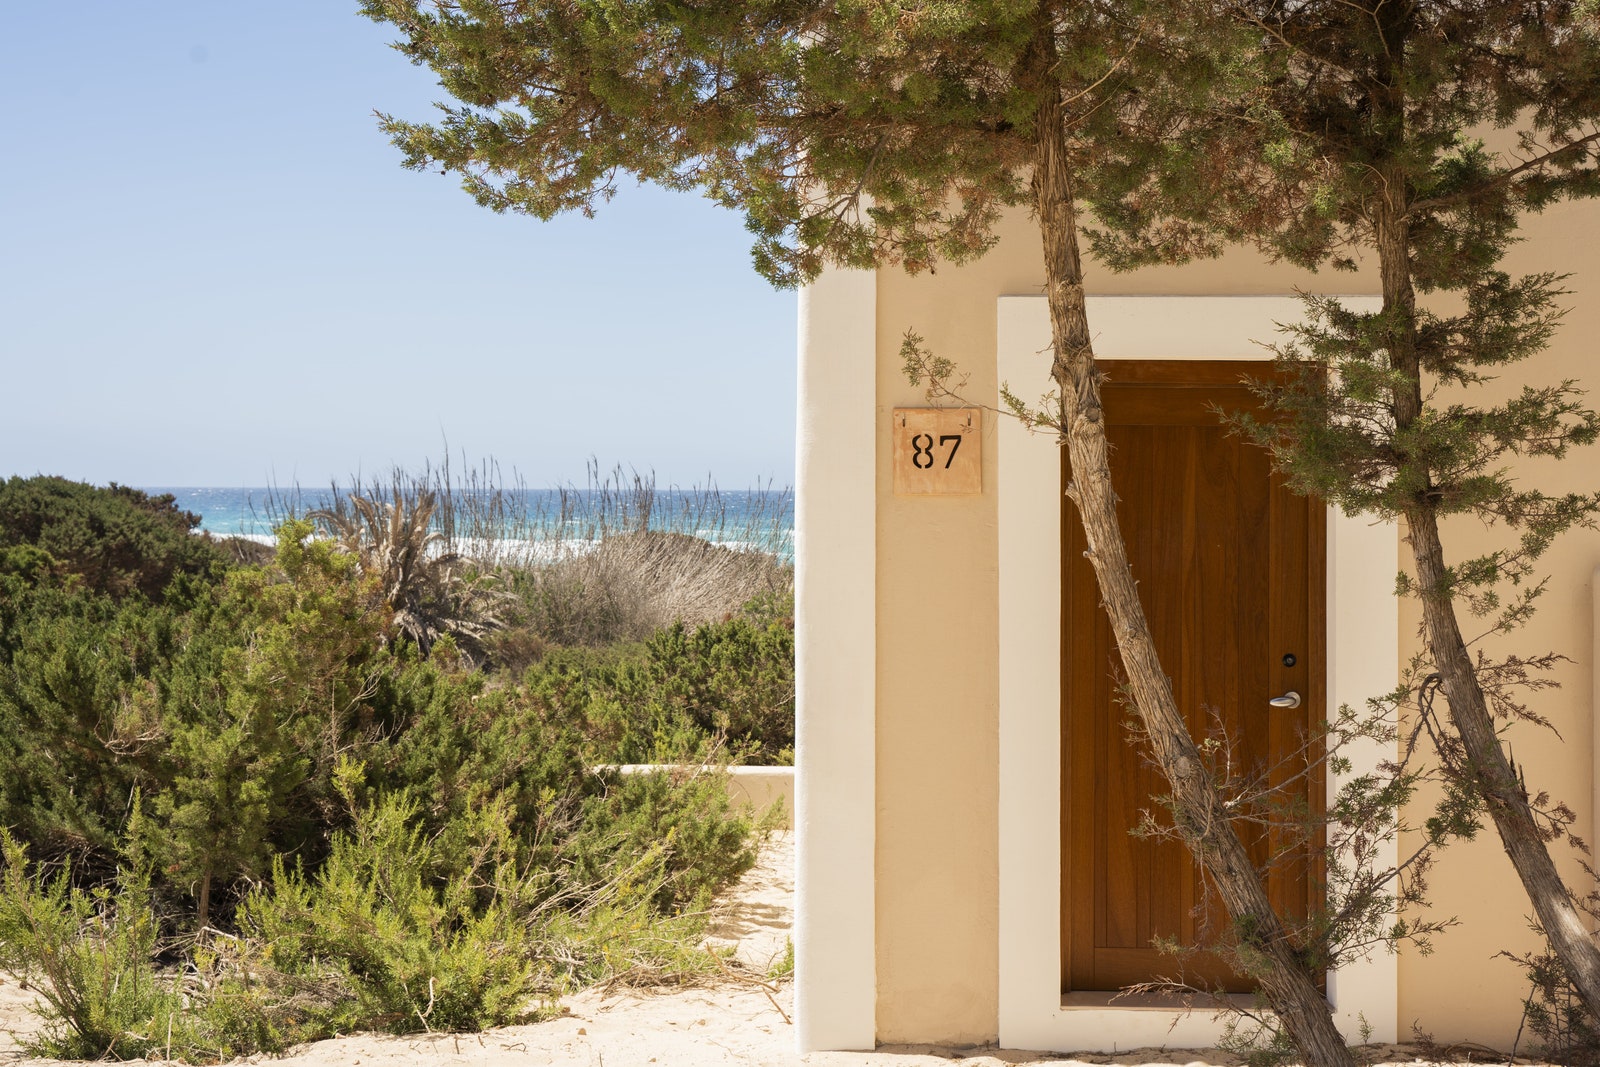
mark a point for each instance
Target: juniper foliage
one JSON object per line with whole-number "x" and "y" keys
{"x": 1416, "y": 135}
{"x": 872, "y": 133}
{"x": 857, "y": 134}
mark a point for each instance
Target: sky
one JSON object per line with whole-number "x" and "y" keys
{"x": 213, "y": 271}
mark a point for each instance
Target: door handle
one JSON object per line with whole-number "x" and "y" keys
{"x": 1291, "y": 699}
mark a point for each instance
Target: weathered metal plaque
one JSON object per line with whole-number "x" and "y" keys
{"x": 938, "y": 451}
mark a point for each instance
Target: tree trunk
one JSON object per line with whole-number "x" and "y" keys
{"x": 1202, "y": 822}
{"x": 203, "y": 905}
{"x": 1493, "y": 777}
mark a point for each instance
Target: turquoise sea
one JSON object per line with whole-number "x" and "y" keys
{"x": 763, "y": 518}
{"x": 227, "y": 510}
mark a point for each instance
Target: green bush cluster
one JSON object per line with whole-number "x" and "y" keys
{"x": 248, "y": 775}
{"x": 114, "y": 540}
{"x": 723, "y": 691}
{"x": 407, "y": 938}
{"x": 91, "y": 954}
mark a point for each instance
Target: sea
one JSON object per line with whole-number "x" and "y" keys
{"x": 754, "y": 519}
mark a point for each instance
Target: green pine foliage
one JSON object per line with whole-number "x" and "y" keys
{"x": 1413, "y": 139}
{"x": 863, "y": 134}
{"x": 1344, "y": 444}
{"x": 852, "y": 133}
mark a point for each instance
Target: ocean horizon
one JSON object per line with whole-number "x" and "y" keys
{"x": 751, "y": 517}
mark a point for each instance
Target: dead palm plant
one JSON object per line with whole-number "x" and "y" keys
{"x": 432, "y": 590}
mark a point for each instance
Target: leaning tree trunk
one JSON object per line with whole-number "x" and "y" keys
{"x": 1492, "y": 776}
{"x": 1202, "y": 822}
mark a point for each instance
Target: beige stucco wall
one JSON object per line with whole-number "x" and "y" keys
{"x": 937, "y": 674}
{"x": 1462, "y": 991}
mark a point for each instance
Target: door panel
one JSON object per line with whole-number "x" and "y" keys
{"x": 1229, "y": 566}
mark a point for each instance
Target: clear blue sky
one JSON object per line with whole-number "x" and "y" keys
{"x": 214, "y": 272}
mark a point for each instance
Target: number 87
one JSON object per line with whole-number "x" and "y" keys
{"x": 922, "y": 449}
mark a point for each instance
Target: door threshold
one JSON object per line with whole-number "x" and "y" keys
{"x": 1101, "y": 1000}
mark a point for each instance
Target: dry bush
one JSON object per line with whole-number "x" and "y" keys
{"x": 633, "y": 584}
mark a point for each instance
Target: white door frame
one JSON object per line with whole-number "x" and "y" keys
{"x": 836, "y": 664}
{"x": 1362, "y": 657}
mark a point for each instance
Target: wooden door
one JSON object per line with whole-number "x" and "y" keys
{"x": 1230, "y": 569}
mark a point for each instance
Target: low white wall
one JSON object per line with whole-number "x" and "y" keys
{"x": 752, "y": 787}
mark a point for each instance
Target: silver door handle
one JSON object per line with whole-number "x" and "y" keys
{"x": 1291, "y": 699}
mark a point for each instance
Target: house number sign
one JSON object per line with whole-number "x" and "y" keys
{"x": 938, "y": 451}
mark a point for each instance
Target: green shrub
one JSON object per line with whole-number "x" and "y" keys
{"x": 615, "y": 935}
{"x": 479, "y": 865}
{"x": 116, "y": 540}
{"x": 408, "y": 947}
{"x": 684, "y": 815}
{"x": 390, "y": 932}
{"x": 734, "y": 681}
{"x": 783, "y": 966}
{"x": 81, "y": 722}
{"x": 1563, "y": 1030}
{"x": 27, "y": 562}
{"x": 91, "y": 957}
{"x": 252, "y": 750}
{"x": 722, "y": 692}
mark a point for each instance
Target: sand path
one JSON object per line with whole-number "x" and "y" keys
{"x": 729, "y": 1022}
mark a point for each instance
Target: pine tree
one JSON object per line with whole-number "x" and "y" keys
{"x": 230, "y": 782}
{"x": 256, "y": 727}
{"x": 865, "y": 133}
{"x": 1365, "y": 137}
